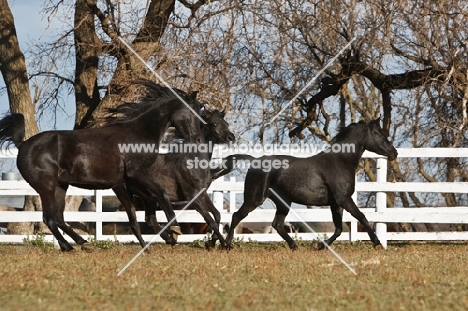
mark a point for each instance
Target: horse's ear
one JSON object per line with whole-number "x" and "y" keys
{"x": 208, "y": 113}
{"x": 193, "y": 95}
{"x": 376, "y": 122}
{"x": 224, "y": 111}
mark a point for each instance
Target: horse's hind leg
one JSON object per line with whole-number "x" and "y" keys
{"x": 60, "y": 207}
{"x": 53, "y": 204}
{"x": 282, "y": 211}
{"x": 337, "y": 214}
{"x": 278, "y": 224}
{"x": 50, "y": 218}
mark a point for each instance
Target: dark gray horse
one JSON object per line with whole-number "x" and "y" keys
{"x": 181, "y": 180}
{"x": 324, "y": 179}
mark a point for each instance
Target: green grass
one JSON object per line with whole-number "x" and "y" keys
{"x": 253, "y": 276}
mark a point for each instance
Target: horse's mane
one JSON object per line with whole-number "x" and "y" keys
{"x": 153, "y": 93}
{"x": 343, "y": 132}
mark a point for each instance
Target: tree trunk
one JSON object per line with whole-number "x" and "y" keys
{"x": 13, "y": 68}
{"x": 88, "y": 49}
{"x": 146, "y": 43}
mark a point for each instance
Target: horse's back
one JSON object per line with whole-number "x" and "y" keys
{"x": 84, "y": 158}
{"x": 299, "y": 180}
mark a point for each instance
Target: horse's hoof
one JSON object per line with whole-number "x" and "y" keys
{"x": 175, "y": 232}
{"x": 294, "y": 247}
{"x": 379, "y": 247}
{"x": 87, "y": 247}
{"x": 67, "y": 250}
{"x": 320, "y": 246}
{"x": 171, "y": 241}
{"x": 168, "y": 238}
{"x": 208, "y": 245}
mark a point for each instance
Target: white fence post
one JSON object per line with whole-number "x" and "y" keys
{"x": 232, "y": 197}
{"x": 218, "y": 200}
{"x": 381, "y": 201}
{"x": 98, "y": 195}
{"x": 353, "y": 227}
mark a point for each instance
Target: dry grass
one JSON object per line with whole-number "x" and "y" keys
{"x": 251, "y": 277}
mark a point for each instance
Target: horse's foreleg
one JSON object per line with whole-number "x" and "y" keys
{"x": 237, "y": 217}
{"x": 150, "y": 218}
{"x": 125, "y": 197}
{"x": 351, "y": 207}
{"x": 217, "y": 218}
{"x": 158, "y": 193}
{"x": 199, "y": 205}
{"x": 337, "y": 214}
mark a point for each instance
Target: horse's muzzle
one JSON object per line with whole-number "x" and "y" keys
{"x": 393, "y": 155}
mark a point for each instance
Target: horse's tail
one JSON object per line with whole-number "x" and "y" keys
{"x": 12, "y": 129}
{"x": 229, "y": 164}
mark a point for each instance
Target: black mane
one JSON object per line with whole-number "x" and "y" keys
{"x": 344, "y": 132}
{"x": 129, "y": 110}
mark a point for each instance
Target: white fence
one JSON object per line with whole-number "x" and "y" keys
{"x": 380, "y": 215}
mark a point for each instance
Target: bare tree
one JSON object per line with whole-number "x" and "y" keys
{"x": 14, "y": 72}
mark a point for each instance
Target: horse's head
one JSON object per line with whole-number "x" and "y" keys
{"x": 376, "y": 141}
{"x": 186, "y": 120}
{"x": 217, "y": 128}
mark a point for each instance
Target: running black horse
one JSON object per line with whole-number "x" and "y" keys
{"x": 181, "y": 178}
{"x": 93, "y": 158}
{"x": 324, "y": 179}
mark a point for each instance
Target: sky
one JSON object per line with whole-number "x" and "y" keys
{"x": 30, "y": 27}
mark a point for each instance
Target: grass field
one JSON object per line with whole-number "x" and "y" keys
{"x": 253, "y": 276}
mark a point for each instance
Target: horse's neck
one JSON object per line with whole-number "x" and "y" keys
{"x": 199, "y": 152}
{"x": 351, "y": 158}
{"x": 206, "y": 140}
{"x": 153, "y": 123}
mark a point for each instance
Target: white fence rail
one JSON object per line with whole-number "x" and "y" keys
{"x": 380, "y": 215}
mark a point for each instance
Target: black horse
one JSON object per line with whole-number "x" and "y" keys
{"x": 93, "y": 159}
{"x": 324, "y": 179}
{"x": 182, "y": 179}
